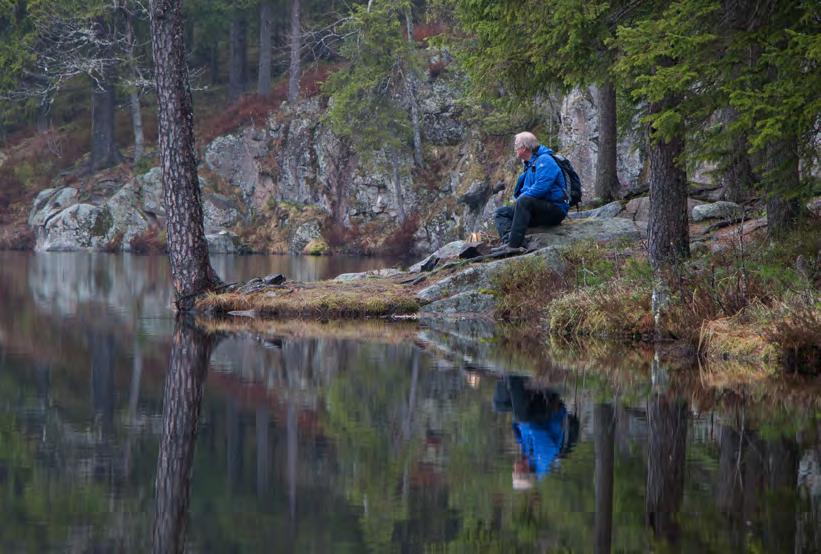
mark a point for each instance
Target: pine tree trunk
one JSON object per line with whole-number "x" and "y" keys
{"x": 666, "y": 452}
{"x": 266, "y": 10}
{"x": 214, "y": 64}
{"x": 104, "y": 151}
{"x": 607, "y": 182}
{"x": 781, "y": 173}
{"x": 191, "y": 270}
{"x": 603, "y": 434}
{"x": 410, "y": 80}
{"x": 137, "y": 124}
{"x": 133, "y": 95}
{"x": 294, "y": 69}
{"x": 738, "y": 177}
{"x": 236, "y": 55}
{"x": 668, "y": 228}
{"x": 182, "y": 399}
{"x": 397, "y": 187}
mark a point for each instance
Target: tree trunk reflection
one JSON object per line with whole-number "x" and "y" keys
{"x": 603, "y": 433}
{"x": 182, "y": 399}
{"x": 667, "y": 422}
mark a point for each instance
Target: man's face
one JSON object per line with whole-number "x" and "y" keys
{"x": 523, "y": 153}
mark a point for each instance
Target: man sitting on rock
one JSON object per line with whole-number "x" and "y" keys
{"x": 540, "y": 194}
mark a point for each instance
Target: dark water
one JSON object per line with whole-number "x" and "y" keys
{"x": 123, "y": 430}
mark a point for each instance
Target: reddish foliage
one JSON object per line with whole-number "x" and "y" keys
{"x": 423, "y": 31}
{"x": 152, "y": 241}
{"x": 16, "y": 237}
{"x": 253, "y": 109}
{"x": 250, "y": 109}
{"x": 436, "y": 69}
{"x": 401, "y": 242}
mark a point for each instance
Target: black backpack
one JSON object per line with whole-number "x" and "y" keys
{"x": 574, "y": 195}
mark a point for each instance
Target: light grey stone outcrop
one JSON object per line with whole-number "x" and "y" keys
{"x": 717, "y": 210}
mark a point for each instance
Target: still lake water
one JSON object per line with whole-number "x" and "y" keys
{"x": 356, "y": 436}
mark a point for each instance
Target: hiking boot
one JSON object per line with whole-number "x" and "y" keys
{"x": 506, "y": 249}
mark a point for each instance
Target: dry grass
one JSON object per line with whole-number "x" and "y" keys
{"x": 619, "y": 311}
{"x": 322, "y": 300}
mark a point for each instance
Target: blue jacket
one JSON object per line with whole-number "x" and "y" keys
{"x": 541, "y": 443}
{"x": 543, "y": 178}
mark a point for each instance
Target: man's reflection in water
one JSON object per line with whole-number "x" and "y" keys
{"x": 543, "y": 428}
{"x": 182, "y": 399}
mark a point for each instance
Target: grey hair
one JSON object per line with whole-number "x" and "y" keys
{"x": 525, "y": 139}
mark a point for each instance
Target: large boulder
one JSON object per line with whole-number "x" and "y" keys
{"x": 239, "y": 159}
{"x": 573, "y": 231}
{"x": 479, "y": 276}
{"x": 219, "y": 211}
{"x": 608, "y": 210}
{"x": 126, "y": 216}
{"x": 717, "y": 210}
{"x": 303, "y": 235}
{"x": 150, "y": 187}
{"x": 49, "y": 203}
{"x": 78, "y": 227}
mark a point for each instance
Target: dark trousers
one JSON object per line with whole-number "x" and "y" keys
{"x": 513, "y": 221}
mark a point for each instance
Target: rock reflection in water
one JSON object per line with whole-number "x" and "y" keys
{"x": 182, "y": 399}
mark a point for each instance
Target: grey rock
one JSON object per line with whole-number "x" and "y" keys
{"x": 304, "y": 234}
{"x": 373, "y": 274}
{"x": 462, "y": 304}
{"x": 49, "y": 203}
{"x": 445, "y": 253}
{"x": 479, "y": 276}
{"x": 717, "y": 210}
{"x": 237, "y": 159}
{"x": 150, "y": 186}
{"x": 612, "y": 209}
{"x": 572, "y": 231}
{"x": 579, "y": 140}
{"x": 126, "y": 216}
{"x": 638, "y": 209}
{"x": 476, "y": 195}
{"x": 814, "y": 206}
{"x": 78, "y": 227}
{"x": 218, "y": 212}
{"x": 274, "y": 279}
{"x": 224, "y": 242}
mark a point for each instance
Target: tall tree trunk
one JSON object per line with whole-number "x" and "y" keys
{"x": 137, "y": 124}
{"x": 607, "y": 180}
{"x": 191, "y": 270}
{"x": 236, "y": 55}
{"x": 781, "y": 173}
{"x": 104, "y": 151}
{"x": 294, "y": 69}
{"x": 133, "y": 95}
{"x": 266, "y": 11}
{"x": 397, "y": 188}
{"x": 668, "y": 228}
{"x": 667, "y": 421}
{"x": 263, "y": 420}
{"x": 604, "y": 432}
{"x": 214, "y": 64}
{"x": 410, "y": 80}
{"x": 738, "y": 178}
{"x": 182, "y": 399}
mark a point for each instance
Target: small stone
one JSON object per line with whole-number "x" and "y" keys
{"x": 274, "y": 279}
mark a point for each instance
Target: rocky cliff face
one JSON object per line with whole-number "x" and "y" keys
{"x": 289, "y": 184}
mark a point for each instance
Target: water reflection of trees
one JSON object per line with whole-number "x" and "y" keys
{"x": 182, "y": 399}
